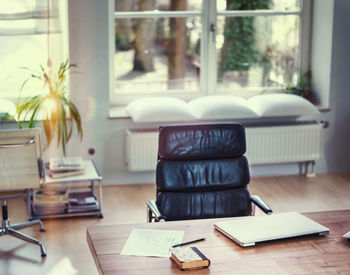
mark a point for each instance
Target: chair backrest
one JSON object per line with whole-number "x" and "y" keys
{"x": 21, "y": 165}
{"x": 201, "y": 172}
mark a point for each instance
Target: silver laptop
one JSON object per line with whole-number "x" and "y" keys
{"x": 247, "y": 231}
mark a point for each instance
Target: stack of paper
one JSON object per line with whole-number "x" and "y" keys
{"x": 151, "y": 242}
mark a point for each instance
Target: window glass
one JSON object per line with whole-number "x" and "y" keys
{"x": 25, "y": 43}
{"x": 17, "y": 6}
{"x": 191, "y": 48}
{"x": 23, "y": 51}
{"x": 259, "y": 51}
{"x": 156, "y": 54}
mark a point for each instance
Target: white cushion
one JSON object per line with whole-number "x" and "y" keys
{"x": 221, "y": 107}
{"x": 159, "y": 109}
{"x": 281, "y": 105}
{"x": 7, "y": 106}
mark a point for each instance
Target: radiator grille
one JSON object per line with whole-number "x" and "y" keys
{"x": 141, "y": 150}
{"x": 265, "y": 145}
{"x": 281, "y": 144}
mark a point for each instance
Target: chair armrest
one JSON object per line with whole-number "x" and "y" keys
{"x": 153, "y": 212}
{"x": 261, "y": 204}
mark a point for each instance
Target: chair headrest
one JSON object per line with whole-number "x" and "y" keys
{"x": 207, "y": 141}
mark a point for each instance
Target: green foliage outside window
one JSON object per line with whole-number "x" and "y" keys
{"x": 5, "y": 116}
{"x": 239, "y": 51}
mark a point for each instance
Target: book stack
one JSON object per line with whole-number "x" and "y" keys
{"x": 49, "y": 202}
{"x": 65, "y": 167}
{"x": 187, "y": 258}
{"x": 82, "y": 201}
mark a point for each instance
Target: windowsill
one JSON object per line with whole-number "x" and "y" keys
{"x": 323, "y": 109}
{"x": 119, "y": 112}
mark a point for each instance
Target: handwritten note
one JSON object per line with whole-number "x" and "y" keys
{"x": 151, "y": 242}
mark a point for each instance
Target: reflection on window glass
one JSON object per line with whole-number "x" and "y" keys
{"x": 277, "y": 5}
{"x": 24, "y": 43}
{"x": 161, "y": 5}
{"x": 157, "y": 54}
{"x": 257, "y": 51}
{"x": 18, "y": 51}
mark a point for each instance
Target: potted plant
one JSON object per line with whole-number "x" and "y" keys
{"x": 57, "y": 111}
{"x": 303, "y": 87}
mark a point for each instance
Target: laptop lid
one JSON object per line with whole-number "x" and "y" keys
{"x": 247, "y": 231}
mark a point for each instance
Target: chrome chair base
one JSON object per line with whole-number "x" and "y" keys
{"x": 7, "y": 229}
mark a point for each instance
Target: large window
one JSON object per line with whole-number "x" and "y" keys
{"x": 189, "y": 48}
{"x": 25, "y": 43}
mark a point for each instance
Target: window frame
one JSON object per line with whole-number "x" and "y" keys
{"x": 208, "y": 58}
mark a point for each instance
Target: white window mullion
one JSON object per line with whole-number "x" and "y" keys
{"x": 156, "y": 14}
{"x": 111, "y": 50}
{"x": 208, "y": 48}
{"x": 255, "y": 13}
{"x": 212, "y": 76}
{"x": 204, "y": 49}
{"x": 305, "y": 36}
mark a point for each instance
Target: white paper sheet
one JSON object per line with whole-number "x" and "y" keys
{"x": 151, "y": 242}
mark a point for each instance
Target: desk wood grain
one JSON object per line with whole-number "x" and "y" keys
{"x": 303, "y": 255}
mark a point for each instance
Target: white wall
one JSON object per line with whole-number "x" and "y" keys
{"x": 322, "y": 47}
{"x": 337, "y": 147}
{"x": 88, "y": 20}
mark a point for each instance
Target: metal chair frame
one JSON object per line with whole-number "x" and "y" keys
{"x": 12, "y": 230}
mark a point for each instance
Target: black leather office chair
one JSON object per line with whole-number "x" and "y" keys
{"x": 202, "y": 173}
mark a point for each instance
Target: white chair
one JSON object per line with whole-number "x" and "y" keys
{"x": 21, "y": 170}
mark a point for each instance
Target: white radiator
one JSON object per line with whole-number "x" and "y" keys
{"x": 281, "y": 144}
{"x": 141, "y": 150}
{"x": 265, "y": 145}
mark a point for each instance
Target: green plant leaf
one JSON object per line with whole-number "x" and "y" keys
{"x": 36, "y": 109}
{"x": 48, "y": 130}
{"x": 61, "y": 119}
{"x": 76, "y": 117}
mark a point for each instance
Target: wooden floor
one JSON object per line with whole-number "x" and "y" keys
{"x": 65, "y": 239}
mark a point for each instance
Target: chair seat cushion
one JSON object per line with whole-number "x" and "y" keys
{"x": 201, "y": 141}
{"x": 219, "y": 174}
{"x": 203, "y": 205}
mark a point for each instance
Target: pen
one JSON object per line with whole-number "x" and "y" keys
{"x": 194, "y": 241}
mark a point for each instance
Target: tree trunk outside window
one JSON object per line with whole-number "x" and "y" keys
{"x": 177, "y": 46}
{"x": 144, "y": 40}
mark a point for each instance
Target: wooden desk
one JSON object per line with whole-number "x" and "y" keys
{"x": 311, "y": 254}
